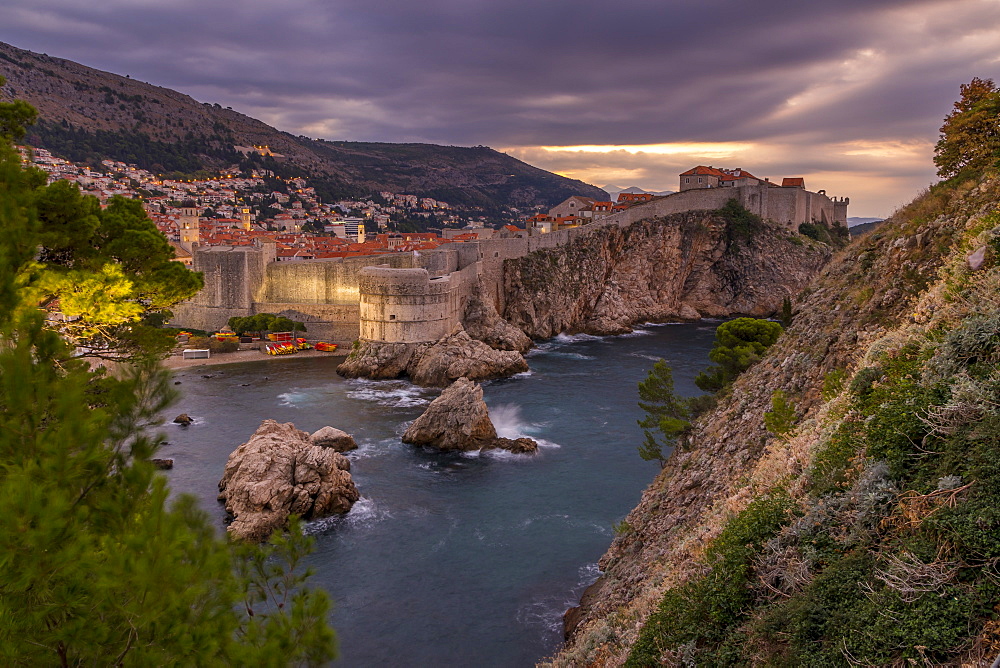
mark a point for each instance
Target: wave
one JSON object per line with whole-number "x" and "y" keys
{"x": 390, "y": 393}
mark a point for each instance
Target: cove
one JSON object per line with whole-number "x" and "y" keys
{"x": 453, "y": 560}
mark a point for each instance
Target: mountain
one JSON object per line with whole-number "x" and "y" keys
{"x": 854, "y": 221}
{"x": 87, "y": 115}
{"x": 613, "y": 191}
{"x": 838, "y": 505}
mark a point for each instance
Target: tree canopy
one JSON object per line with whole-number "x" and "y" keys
{"x": 667, "y": 415}
{"x": 970, "y": 136}
{"x": 739, "y": 344}
{"x": 95, "y": 567}
{"x": 264, "y": 322}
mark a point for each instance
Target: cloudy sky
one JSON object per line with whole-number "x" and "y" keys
{"x": 848, "y": 93}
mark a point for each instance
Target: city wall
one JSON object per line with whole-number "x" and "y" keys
{"x": 414, "y": 297}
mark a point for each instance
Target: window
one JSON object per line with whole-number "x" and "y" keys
{"x": 392, "y": 317}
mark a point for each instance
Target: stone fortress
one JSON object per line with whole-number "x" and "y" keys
{"x": 422, "y": 297}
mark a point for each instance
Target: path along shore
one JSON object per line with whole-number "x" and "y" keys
{"x": 176, "y": 360}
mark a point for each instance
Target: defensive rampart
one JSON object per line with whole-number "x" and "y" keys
{"x": 404, "y": 297}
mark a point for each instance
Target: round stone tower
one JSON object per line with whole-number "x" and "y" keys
{"x": 403, "y": 305}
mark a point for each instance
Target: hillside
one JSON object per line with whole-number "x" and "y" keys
{"x": 86, "y": 114}
{"x": 867, "y": 534}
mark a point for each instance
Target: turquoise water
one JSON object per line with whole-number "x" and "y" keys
{"x": 453, "y": 560}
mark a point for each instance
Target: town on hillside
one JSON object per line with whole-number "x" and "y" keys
{"x": 234, "y": 209}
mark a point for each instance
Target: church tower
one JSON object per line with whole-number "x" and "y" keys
{"x": 245, "y": 216}
{"x": 188, "y": 224}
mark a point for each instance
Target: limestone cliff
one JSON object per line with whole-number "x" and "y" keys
{"x": 878, "y": 555}
{"x": 679, "y": 267}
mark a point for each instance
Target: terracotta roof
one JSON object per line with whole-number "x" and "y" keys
{"x": 702, "y": 170}
{"x": 793, "y": 182}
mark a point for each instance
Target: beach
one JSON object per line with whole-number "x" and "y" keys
{"x": 176, "y": 360}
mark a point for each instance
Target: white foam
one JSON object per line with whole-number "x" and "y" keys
{"x": 636, "y": 332}
{"x": 507, "y": 420}
{"x": 391, "y": 393}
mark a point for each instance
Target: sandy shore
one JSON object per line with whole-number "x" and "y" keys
{"x": 175, "y": 361}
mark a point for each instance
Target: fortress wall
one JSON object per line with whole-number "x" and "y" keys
{"x": 335, "y": 323}
{"x": 332, "y": 281}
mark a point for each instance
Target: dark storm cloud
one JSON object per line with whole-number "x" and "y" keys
{"x": 500, "y": 72}
{"x": 518, "y": 73}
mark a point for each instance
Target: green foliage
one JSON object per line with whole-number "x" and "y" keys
{"x": 264, "y": 322}
{"x": 185, "y": 156}
{"x": 667, "y": 415}
{"x": 739, "y": 344}
{"x": 700, "y": 615}
{"x": 15, "y": 117}
{"x": 970, "y": 136}
{"x": 786, "y": 312}
{"x": 213, "y": 344}
{"x": 741, "y": 223}
{"x": 781, "y": 418}
{"x": 106, "y": 271}
{"x": 95, "y": 569}
{"x": 815, "y": 231}
{"x": 833, "y": 383}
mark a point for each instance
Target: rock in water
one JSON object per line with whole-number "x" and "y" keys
{"x": 279, "y": 472}
{"x": 459, "y": 355}
{"x": 379, "y": 360}
{"x": 183, "y": 419}
{"x": 329, "y": 437}
{"x": 432, "y": 364}
{"x": 162, "y": 464}
{"x": 457, "y": 420}
{"x": 519, "y": 446}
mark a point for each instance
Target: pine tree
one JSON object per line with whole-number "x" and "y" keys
{"x": 667, "y": 415}
{"x": 95, "y": 568}
{"x": 970, "y": 135}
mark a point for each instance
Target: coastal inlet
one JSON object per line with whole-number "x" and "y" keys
{"x": 458, "y": 558}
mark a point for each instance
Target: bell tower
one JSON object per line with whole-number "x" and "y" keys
{"x": 188, "y": 224}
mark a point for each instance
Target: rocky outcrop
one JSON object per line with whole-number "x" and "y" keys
{"x": 459, "y": 420}
{"x": 379, "y": 360}
{"x": 279, "y": 472}
{"x": 458, "y": 355}
{"x": 877, "y": 296}
{"x": 329, "y": 437}
{"x": 483, "y": 323}
{"x": 183, "y": 419}
{"x": 680, "y": 267}
{"x": 432, "y": 364}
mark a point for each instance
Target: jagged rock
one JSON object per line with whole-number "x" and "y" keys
{"x": 278, "y": 472}
{"x": 162, "y": 464}
{"x": 977, "y": 258}
{"x": 483, "y": 323}
{"x": 678, "y": 267}
{"x": 456, "y": 420}
{"x": 329, "y": 437}
{"x": 519, "y": 446}
{"x": 379, "y": 360}
{"x": 432, "y": 364}
{"x": 458, "y": 355}
{"x": 183, "y": 419}
{"x": 459, "y": 420}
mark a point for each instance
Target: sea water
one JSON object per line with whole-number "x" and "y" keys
{"x": 453, "y": 559}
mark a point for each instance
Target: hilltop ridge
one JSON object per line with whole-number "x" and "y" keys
{"x": 86, "y": 114}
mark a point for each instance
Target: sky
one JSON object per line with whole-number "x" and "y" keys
{"x": 848, "y": 94}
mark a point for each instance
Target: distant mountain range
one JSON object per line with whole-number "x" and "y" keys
{"x": 614, "y": 190}
{"x": 89, "y": 115}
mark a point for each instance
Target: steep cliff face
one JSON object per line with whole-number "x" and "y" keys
{"x": 878, "y": 555}
{"x": 684, "y": 266}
